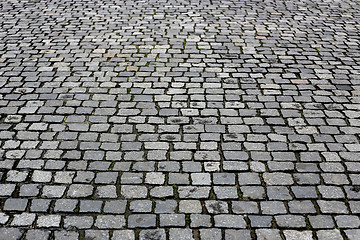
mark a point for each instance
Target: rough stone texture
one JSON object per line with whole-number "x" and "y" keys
{"x": 48, "y": 221}
{"x": 110, "y": 222}
{"x": 267, "y": 234}
{"x": 10, "y": 233}
{"x": 123, "y": 235}
{"x": 158, "y": 234}
{"x": 205, "y": 119}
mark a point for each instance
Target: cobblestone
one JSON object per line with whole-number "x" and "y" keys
{"x": 159, "y": 119}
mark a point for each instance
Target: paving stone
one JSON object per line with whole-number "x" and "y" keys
{"x": 40, "y": 205}
{"x": 37, "y": 234}
{"x": 141, "y": 206}
{"x": 329, "y": 234}
{"x": 152, "y": 234}
{"x": 304, "y": 192}
{"x": 123, "y": 235}
{"x": 224, "y": 178}
{"x": 193, "y": 192}
{"x": 223, "y": 192}
{"x": 106, "y": 178}
{"x": 3, "y": 218}
{"x": 65, "y": 205}
{"x": 278, "y": 193}
{"x": 332, "y": 206}
{"x": 354, "y": 206}
{"x": 213, "y": 234}
{"x": 10, "y": 233}
{"x": 344, "y": 221}
{"x": 321, "y": 221}
{"x": 229, "y": 221}
{"x": 293, "y": 234}
{"x": 278, "y": 179}
{"x": 48, "y": 221}
{"x": 50, "y": 191}
{"x": 62, "y": 235}
{"x": 97, "y": 234}
{"x": 352, "y": 234}
{"x": 133, "y": 191}
{"x": 166, "y": 206}
{"x": 131, "y": 178}
{"x": 257, "y": 221}
{"x": 108, "y": 191}
{"x": 16, "y": 176}
{"x": 29, "y": 190}
{"x": 200, "y": 178}
{"x": 190, "y": 206}
{"x": 162, "y": 192}
{"x": 23, "y": 219}
{"x": 185, "y": 234}
{"x": 7, "y": 189}
{"x": 290, "y": 221}
{"x": 93, "y": 206}
{"x": 200, "y": 220}
{"x": 191, "y": 167}
{"x": 79, "y": 222}
{"x": 242, "y": 207}
{"x": 114, "y": 206}
{"x": 174, "y": 220}
{"x": 13, "y": 204}
{"x": 109, "y": 222}
{"x": 302, "y": 206}
{"x": 155, "y": 178}
{"x": 249, "y": 179}
{"x": 331, "y": 192}
{"x": 178, "y": 178}
{"x": 253, "y": 192}
{"x": 142, "y": 220}
{"x": 80, "y": 190}
{"x": 267, "y": 234}
{"x": 216, "y": 207}
{"x": 272, "y": 207}
{"x": 231, "y": 234}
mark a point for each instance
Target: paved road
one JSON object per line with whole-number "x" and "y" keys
{"x": 164, "y": 119}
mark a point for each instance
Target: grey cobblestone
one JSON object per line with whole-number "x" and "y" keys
{"x": 110, "y": 222}
{"x": 142, "y": 221}
{"x": 267, "y": 234}
{"x": 153, "y": 234}
{"x": 37, "y": 234}
{"x": 123, "y": 235}
{"x": 47, "y": 221}
{"x": 159, "y": 119}
{"x": 10, "y": 233}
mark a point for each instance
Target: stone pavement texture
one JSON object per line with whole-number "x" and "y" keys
{"x": 164, "y": 119}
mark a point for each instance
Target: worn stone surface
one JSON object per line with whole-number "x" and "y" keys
{"x": 154, "y": 119}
